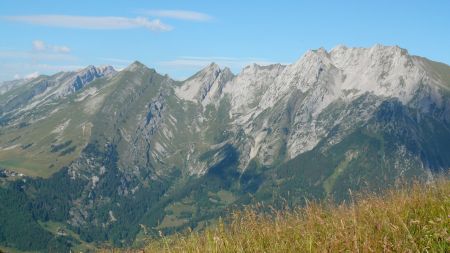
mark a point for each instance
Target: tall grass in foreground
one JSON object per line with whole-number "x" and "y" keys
{"x": 412, "y": 219}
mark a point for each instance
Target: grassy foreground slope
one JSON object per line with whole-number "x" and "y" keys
{"x": 410, "y": 219}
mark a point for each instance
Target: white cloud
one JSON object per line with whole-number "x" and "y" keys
{"x": 198, "y": 62}
{"x": 40, "y": 58}
{"x": 178, "y": 14}
{"x": 61, "y": 49}
{"x": 36, "y": 56}
{"x": 41, "y": 46}
{"x": 48, "y": 67}
{"x": 115, "y": 60}
{"x": 31, "y": 69}
{"x": 32, "y": 75}
{"x": 91, "y": 22}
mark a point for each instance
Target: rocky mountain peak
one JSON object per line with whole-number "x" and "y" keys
{"x": 83, "y": 77}
{"x": 106, "y": 70}
{"x": 205, "y": 84}
{"x": 136, "y": 65}
{"x": 211, "y": 68}
{"x": 342, "y": 55}
{"x": 227, "y": 72}
{"x": 332, "y": 121}
{"x": 97, "y": 71}
{"x": 383, "y": 70}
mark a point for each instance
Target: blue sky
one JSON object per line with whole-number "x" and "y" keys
{"x": 178, "y": 37}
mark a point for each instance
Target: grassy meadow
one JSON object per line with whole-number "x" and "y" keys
{"x": 408, "y": 219}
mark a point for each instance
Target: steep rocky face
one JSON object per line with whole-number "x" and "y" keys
{"x": 247, "y": 88}
{"x": 137, "y": 147}
{"x": 42, "y": 90}
{"x": 314, "y": 95}
{"x": 206, "y": 85}
{"x": 87, "y": 75}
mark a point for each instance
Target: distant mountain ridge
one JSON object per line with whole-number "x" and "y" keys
{"x": 133, "y": 152}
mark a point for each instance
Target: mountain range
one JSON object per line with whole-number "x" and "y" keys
{"x": 99, "y": 157}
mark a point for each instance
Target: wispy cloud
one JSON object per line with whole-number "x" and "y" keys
{"x": 177, "y": 14}
{"x": 32, "y": 75}
{"x": 115, "y": 60}
{"x": 31, "y": 69}
{"x": 49, "y": 67}
{"x": 42, "y": 57}
{"x": 36, "y": 55}
{"x": 91, "y": 22}
{"x": 41, "y": 46}
{"x": 198, "y": 62}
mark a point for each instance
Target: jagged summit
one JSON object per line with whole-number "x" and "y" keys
{"x": 254, "y": 67}
{"x": 343, "y": 47}
{"x": 211, "y": 67}
{"x": 376, "y": 52}
{"x": 79, "y": 79}
{"x": 210, "y": 71}
{"x": 205, "y": 84}
{"x": 331, "y": 121}
{"x": 105, "y": 70}
{"x": 135, "y": 66}
{"x": 383, "y": 70}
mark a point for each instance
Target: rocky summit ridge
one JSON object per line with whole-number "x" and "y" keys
{"x": 134, "y": 152}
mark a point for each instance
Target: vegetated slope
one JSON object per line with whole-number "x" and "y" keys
{"x": 409, "y": 219}
{"x": 45, "y": 121}
{"x": 114, "y": 157}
